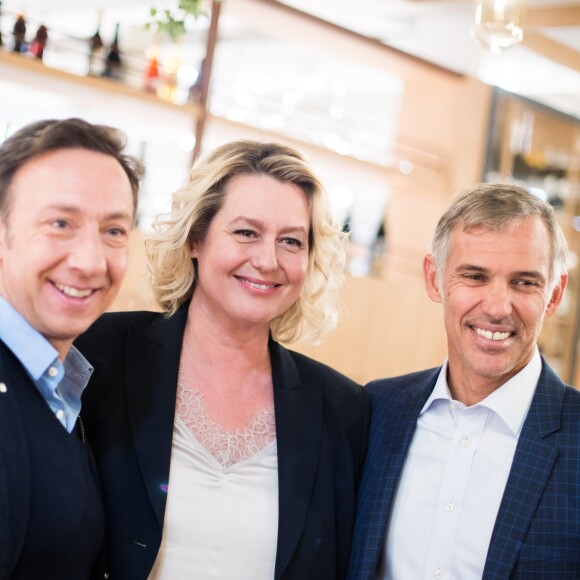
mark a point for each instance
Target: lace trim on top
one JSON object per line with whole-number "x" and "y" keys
{"x": 226, "y": 447}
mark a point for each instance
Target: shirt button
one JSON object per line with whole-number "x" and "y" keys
{"x": 437, "y": 573}
{"x": 449, "y": 507}
{"x": 59, "y": 414}
{"x": 3, "y": 388}
{"x": 464, "y": 443}
{"x": 53, "y": 371}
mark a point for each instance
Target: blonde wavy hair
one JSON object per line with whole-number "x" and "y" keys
{"x": 195, "y": 204}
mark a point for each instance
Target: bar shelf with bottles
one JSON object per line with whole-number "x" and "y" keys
{"x": 539, "y": 148}
{"x": 101, "y": 61}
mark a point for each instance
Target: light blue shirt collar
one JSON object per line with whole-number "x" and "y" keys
{"x": 29, "y": 346}
{"x": 60, "y": 384}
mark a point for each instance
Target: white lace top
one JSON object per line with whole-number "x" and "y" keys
{"x": 221, "y": 520}
{"x": 226, "y": 447}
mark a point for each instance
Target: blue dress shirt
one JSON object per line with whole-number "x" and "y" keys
{"x": 60, "y": 383}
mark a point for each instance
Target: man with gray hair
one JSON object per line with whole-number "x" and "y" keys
{"x": 473, "y": 468}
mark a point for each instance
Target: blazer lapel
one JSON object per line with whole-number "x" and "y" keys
{"x": 151, "y": 371}
{"x": 533, "y": 462}
{"x": 14, "y": 463}
{"x": 393, "y": 424}
{"x": 298, "y": 409}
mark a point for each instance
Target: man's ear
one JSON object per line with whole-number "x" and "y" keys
{"x": 556, "y": 296}
{"x": 430, "y": 278}
{"x": 3, "y": 234}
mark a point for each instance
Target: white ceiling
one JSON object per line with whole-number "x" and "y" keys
{"x": 438, "y": 31}
{"x": 435, "y": 30}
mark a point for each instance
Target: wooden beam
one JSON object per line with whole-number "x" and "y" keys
{"x": 206, "y": 70}
{"x": 553, "y": 17}
{"x": 553, "y": 50}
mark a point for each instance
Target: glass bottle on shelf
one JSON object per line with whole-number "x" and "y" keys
{"x": 19, "y": 32}
{"x": 151, "y": 82}
{"x": 171, "y": 59}
{"x": 113, "y": 61}
{"x": 95, "y": 47}
{"x": 37, "y": 45}
{"x": 1, "y": 41}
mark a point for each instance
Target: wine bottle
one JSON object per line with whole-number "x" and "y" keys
{"x": 1, "y": 42}
{"x": 95, "y": 46}
{"x": 113, "y": 61}
{"x": 151, "y": 81}
{"x": 37, "y": 45}
{"x": 19, "y": 32}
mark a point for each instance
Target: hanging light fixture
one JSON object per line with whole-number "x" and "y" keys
{"x": 498, "y": 24}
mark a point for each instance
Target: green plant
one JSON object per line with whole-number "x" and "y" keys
{"x": 171, "y": 21}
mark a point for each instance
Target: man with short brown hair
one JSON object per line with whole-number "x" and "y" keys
{"x": 67, "y": 205}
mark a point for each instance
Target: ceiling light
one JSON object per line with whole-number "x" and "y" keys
{"x": 498, "y": 24}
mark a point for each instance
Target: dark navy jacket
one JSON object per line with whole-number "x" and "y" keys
{"x": 537, "y": 530}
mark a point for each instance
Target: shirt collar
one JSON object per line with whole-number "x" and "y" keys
{"x": 441, "y": 390}
{"x": 510, "y": 402}
{"x": 29, "y": 346}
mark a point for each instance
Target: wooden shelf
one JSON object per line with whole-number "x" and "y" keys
{"x": 28, "y": 71}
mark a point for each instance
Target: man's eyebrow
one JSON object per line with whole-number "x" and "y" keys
{"x": 75, "y": 209}
{"x": 531, "y": 274}
{"x": 64, "y": 207}
{"x": 119, "y": 215}
{"x": 471, "y": 268}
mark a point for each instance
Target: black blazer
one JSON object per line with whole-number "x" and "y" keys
{"x": 15, "y": 482}
{"x": 14, "y": 470}
{"x": 321, "y": 423}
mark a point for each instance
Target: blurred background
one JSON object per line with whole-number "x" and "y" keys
{"x": 397, "y": 104}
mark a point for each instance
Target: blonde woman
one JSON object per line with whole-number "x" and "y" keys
{"x": 222, "y": 454}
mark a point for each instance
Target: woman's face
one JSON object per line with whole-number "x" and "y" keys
{"x": 254, "y": 259}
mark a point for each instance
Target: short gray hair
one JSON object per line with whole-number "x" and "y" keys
{"x": 494, "y": 206}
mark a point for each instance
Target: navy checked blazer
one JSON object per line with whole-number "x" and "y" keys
{"x": 537, "y": 531}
